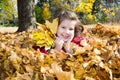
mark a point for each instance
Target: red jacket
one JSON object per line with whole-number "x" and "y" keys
{"x": 76, "y": 40}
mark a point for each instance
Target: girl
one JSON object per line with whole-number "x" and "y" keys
{"x": 69, "y": 30}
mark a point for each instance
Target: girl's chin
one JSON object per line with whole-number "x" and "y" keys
{"x": 66, "y": 40}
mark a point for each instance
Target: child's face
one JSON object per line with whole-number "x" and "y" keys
{"x": 66, "y": 30}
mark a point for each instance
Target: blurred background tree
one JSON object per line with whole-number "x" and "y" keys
{"x": 26, "y": 15}
{"x": 8, "y": 12}
{"x": 49, "y": 9}
{"x": 89, "y": 11}
{"x": 38, "y": 14}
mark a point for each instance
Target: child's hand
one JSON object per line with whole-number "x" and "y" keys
{"x": 67, "y": 46}
{"x": 59, "y": 43}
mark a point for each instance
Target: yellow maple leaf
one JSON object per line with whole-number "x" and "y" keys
{"x": 53, "y": 25}
{"x": 60, "y": 74}
{"x": 41, "y": 26}
{"x": 44, "y": 37}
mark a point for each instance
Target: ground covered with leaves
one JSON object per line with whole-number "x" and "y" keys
{"x": 19, "y": 61}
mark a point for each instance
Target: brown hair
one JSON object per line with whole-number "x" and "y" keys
{"x": 68, "y": 14}
{"x": 78, "y": 28}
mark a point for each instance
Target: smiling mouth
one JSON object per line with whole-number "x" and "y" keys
{"x": 65, "y": 37}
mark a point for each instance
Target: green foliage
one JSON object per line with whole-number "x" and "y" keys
{"x": 38, "y": 13}
{"x": 8, "y": 11}
{"x": 49, "y": 9}
{"x": 89, "y": 11}
{"x": 0, "y": 1}
{"x": 84, "y": 10}
{"x": 56, "y": 7}
{"x": 101, "y": 17}
{"x": 94, "y": 11}
{"x": 42, "y": 11}
{"x": 96, "y": 6}
{"x": 41, "y": 2}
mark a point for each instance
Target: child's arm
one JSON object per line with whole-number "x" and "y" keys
{"x": 58, "y": 44}
{"x": 81, "y": 41}
{"x": 67, "y": 47}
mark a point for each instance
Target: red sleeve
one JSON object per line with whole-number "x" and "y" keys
{"x": 41, "y": 49}
{"x": 78, "y": 40}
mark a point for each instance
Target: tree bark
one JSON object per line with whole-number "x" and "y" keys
{"x": 26, "y": 15}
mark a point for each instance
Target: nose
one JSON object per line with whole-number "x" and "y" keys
{"x": 67, "y": 31}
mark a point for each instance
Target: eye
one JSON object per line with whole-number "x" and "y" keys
{"x": 63, "y": 27}
{"x": 71, "y": 29}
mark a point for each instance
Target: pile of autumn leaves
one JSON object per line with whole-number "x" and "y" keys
{"x": 19, "y": 61}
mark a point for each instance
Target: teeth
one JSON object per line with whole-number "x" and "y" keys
{"x": 65, "y": 36}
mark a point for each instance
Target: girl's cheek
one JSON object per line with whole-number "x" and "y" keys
{"x": 72, "y": 35}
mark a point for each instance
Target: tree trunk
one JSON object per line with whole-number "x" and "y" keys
{"x": 26, "y": 15}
